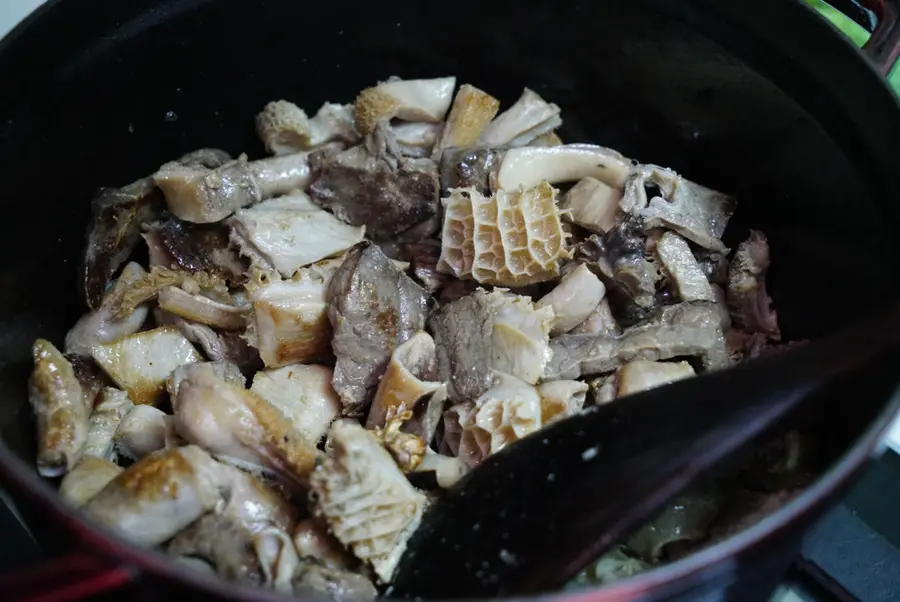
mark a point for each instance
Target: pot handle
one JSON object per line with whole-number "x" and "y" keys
{"x": 76, "y": 576}
{"x": 883, "y": 47}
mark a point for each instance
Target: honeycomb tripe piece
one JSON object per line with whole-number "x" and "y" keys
{"x": 366, "y": 500}
{"x": 512, "y": 238}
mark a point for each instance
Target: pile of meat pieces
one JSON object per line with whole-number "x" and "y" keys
{"x": 407, "y": 293}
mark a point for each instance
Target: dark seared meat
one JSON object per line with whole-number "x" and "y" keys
{"x": 201, "y": 248}
{"x": 89, "y": 375}
{"x": 116, "y": 218}
{"x": 373, "y": 307}
{"x": 748, "y": 301}
{"x": 117, "y": 215}
{"x": 376, "y": 186}
{"x": 465, "y": 167}
{"x": 462, "y": 335}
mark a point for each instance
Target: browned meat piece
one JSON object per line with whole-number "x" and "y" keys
{"x": 222, "y": 542}
{"x": 375, "y": 186}
{"x": 142, "y": 431}
{"x": 618, "y": 256}
{"x": 457, "y": 289}
{"x": 239, "y": 426}
{"x": 748, "y": 301}
{"x": 373, "y": 307}
{"x": 303, "y": 393}
{"x": 115, "y": 231}
{"x": 158, "y": 496}
{"x": 89, "y": 375}
{"x": 62, "y": 412}
{"x": 117, "y": 215}
{"x": 682, "y": 330}
{"x": 469, "y": 167}
{"x": 462, "y": 332}
{"x": 200, "y": 248}
{"x": 87, "y": 479}
{"x": 225, "y": 370}
{"x": 313, "y": 578}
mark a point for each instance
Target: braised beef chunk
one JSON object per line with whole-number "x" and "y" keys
{"x": 201, "y": 248}
{"x": 748, "y": 300}
{"x": 373, "y": 307}
{"x": 462, "y": 333}
{"x": 374, "y": 185}
{"x": 486, "y": 334}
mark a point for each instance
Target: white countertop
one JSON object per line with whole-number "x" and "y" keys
{"x": 12, "y": 11}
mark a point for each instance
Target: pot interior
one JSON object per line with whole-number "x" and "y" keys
{"x": 681, "y": 84}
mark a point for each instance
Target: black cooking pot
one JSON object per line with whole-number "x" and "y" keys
{"x": 758, "y": 98}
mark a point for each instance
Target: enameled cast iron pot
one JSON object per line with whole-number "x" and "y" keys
{"x": 758, "y": 98}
